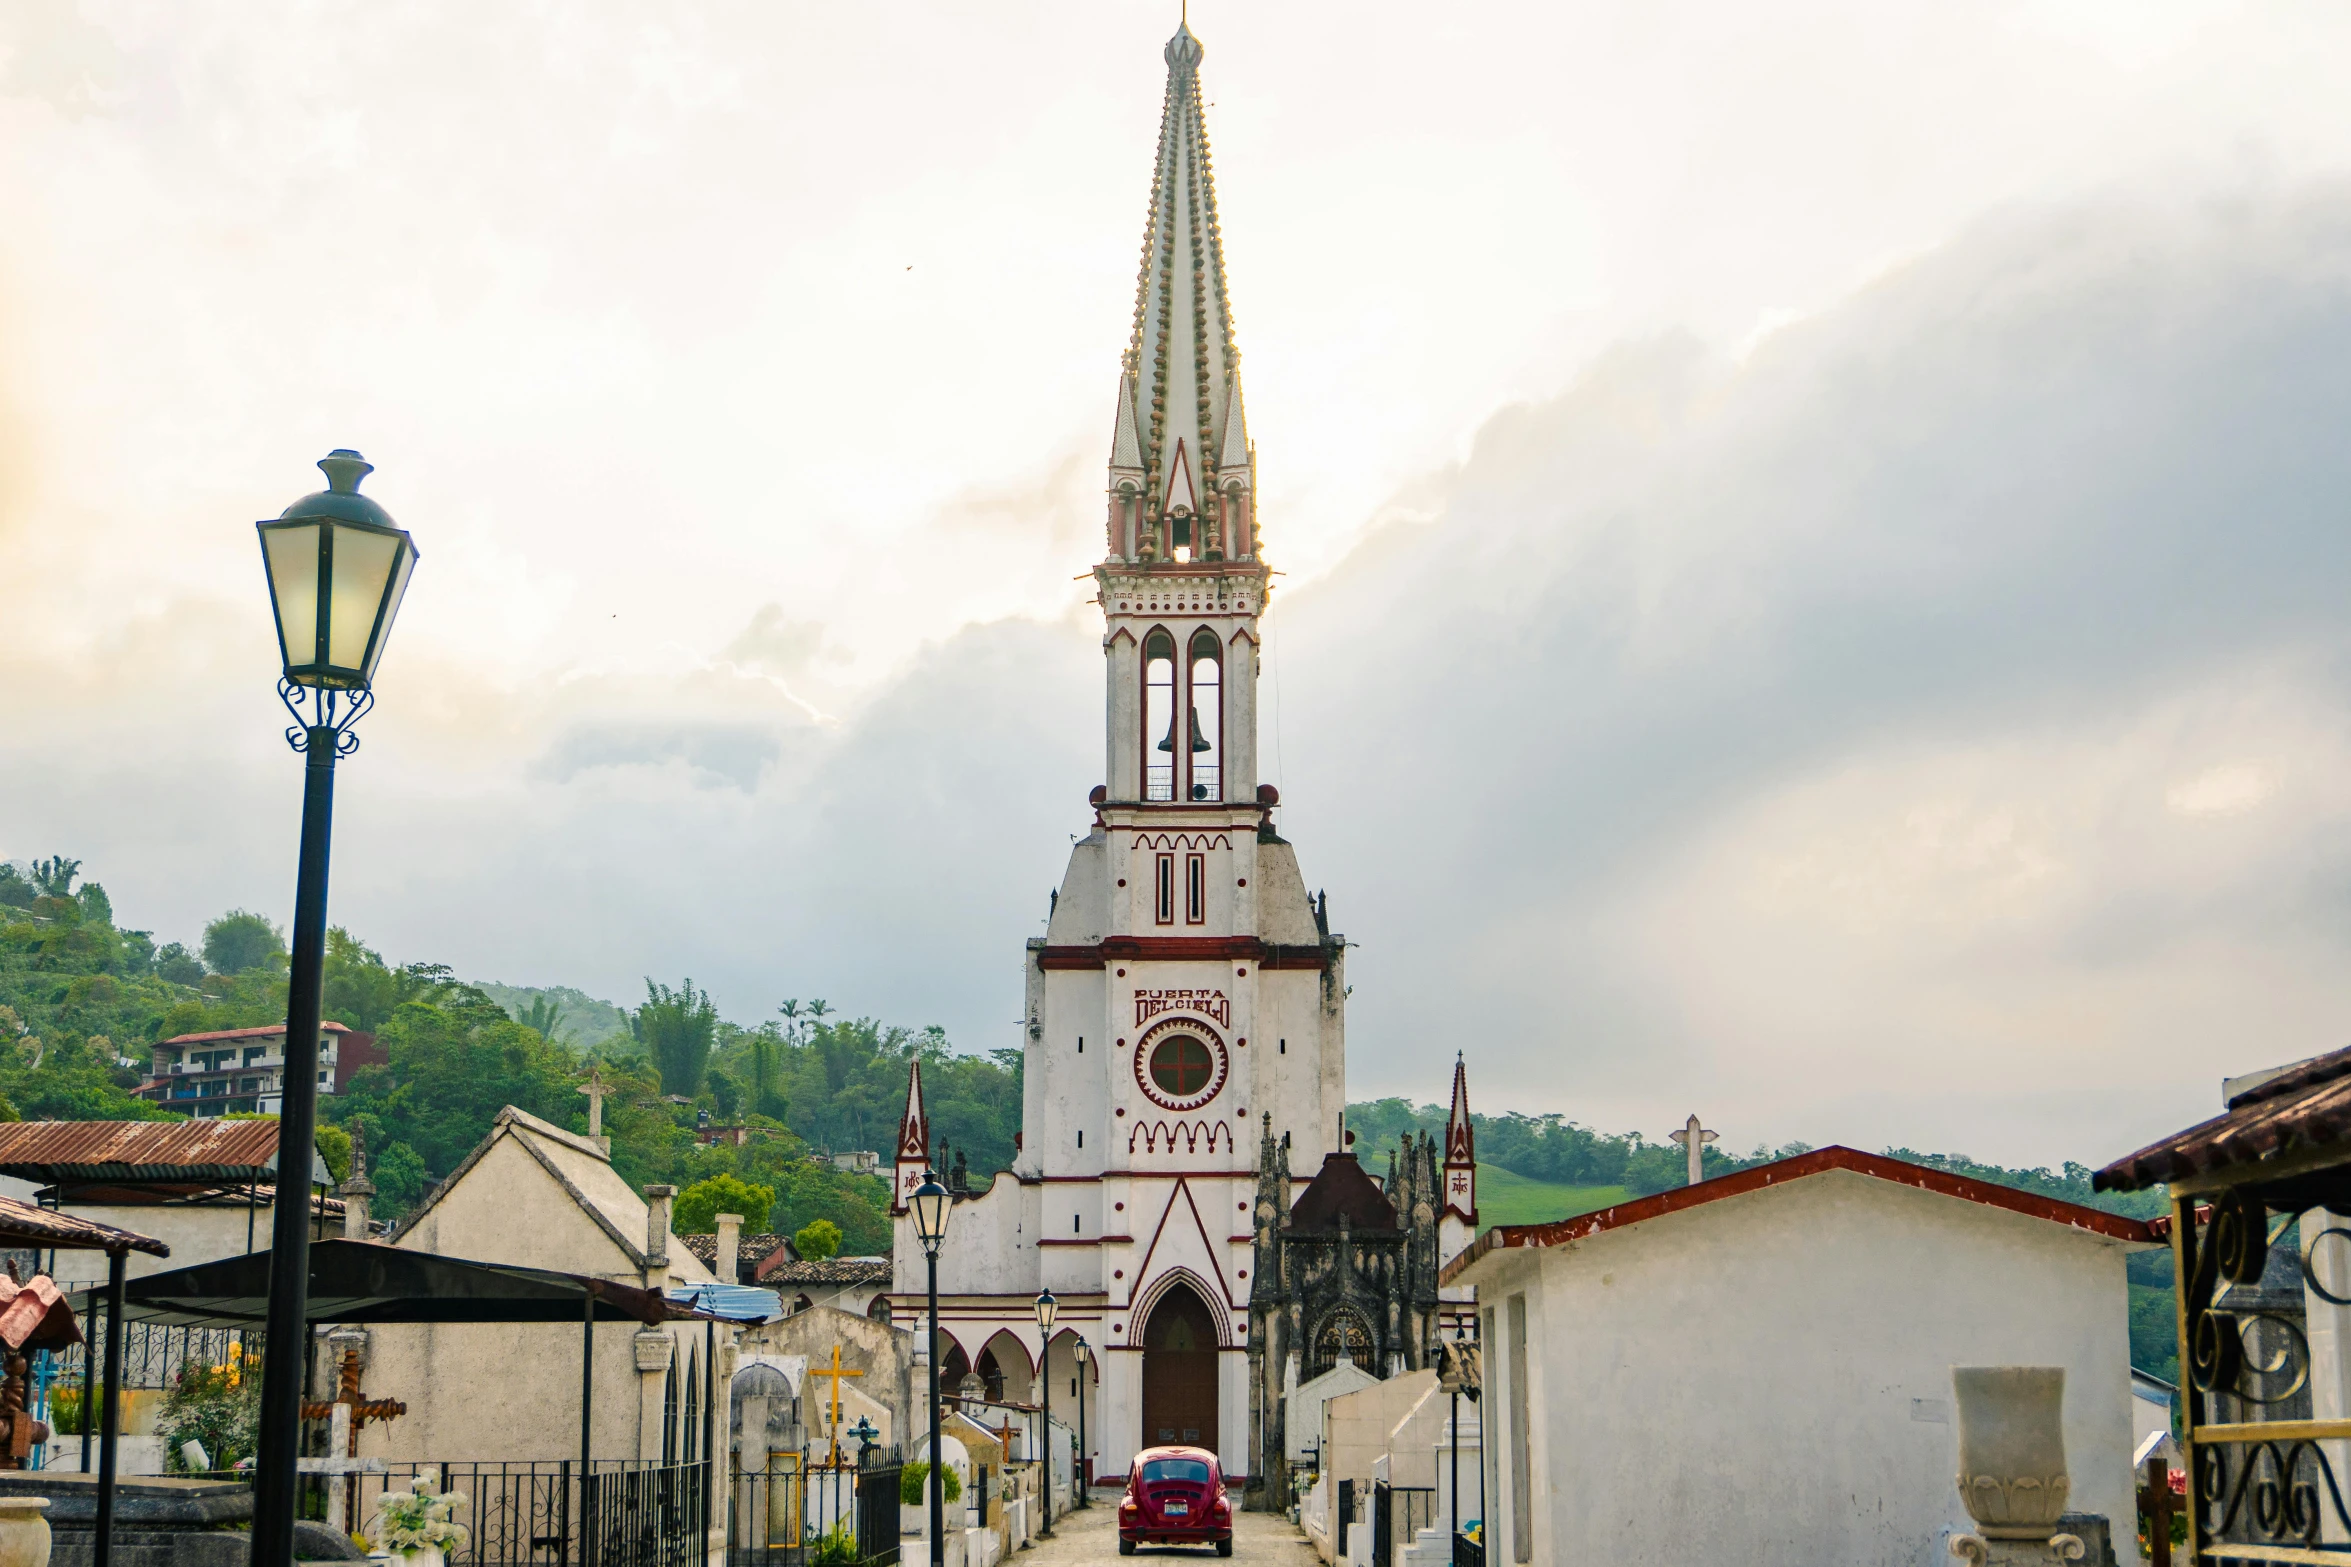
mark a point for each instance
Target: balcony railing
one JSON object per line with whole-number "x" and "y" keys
{"x": 1159, "y": 782}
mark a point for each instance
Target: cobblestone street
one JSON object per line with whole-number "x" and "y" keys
{"x": 1090, "y": 1539}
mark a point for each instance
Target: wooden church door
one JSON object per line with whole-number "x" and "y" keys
{"x": 1179, "y": 1372}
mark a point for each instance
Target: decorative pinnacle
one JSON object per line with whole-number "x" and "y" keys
{"x": 1183, "y": 51}
{"x": 344, "y": 469}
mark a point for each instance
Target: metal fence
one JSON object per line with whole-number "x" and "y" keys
{"x": 877, "y": 1513}
{"x": 1398, "y": 1513}
{"x": 1468, "y": 1552}
{"x": 656, "y": 1516}
{"x": 152, "y": 1353}
{"x": 775, "y": 1518}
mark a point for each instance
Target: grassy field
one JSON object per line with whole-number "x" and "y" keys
{"x": 1505, "y": 1198}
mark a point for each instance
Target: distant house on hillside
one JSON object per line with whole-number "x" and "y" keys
{"x": 244, "y": 1068}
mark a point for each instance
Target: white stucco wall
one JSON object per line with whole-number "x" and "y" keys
{"x": 1766, "y": 1378}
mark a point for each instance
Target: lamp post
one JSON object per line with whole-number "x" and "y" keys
{"x": 929, "y": 1203}
{"x": 337, "y": 569}
{"x": 1046, "y": 1307}
{"x": 1081, "y": 1478}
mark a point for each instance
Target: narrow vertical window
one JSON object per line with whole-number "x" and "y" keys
{"x": 1159, "y": 715}
{"x": 1195, "y": 888}
{"x": 1207, "y": 717}
{"x": 1165, "y": 912}
{"x": 1081, "y": 1139}
{"x": 1522, "y": 1501}
{"x": 1077, "y": 1224}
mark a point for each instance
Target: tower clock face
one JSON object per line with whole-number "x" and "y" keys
{"x": 1181, "y": 1064}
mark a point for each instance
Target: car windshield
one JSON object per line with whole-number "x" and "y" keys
{"x": 1192, "y": 1469}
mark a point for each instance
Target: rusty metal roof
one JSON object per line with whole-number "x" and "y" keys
{"x": 2307, "y": 1107}
{"x": 23, "y": 1225}
{"x": 210, "y": 1151}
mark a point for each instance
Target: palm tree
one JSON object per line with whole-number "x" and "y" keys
{"x": 55, "y": 876}
{"x": 543, "y": 1017}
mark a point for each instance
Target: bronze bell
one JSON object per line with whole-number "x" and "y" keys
{"x": 1199, "y": 742}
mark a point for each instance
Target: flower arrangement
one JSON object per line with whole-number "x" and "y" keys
{"x": 216, "y": 1407}
{"x": 419, "y": 1518}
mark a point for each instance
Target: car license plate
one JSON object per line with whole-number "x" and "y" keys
{"x": 1179, "y": 1509}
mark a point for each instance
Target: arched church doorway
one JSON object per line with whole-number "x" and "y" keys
{"x": 1179, "y": 1372}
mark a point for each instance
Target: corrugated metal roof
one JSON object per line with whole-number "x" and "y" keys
{"x": 211, "y": 1150}
{"x": 2307, "y": 1106}
{"x": 729, "y": 1302}
{"x": 22, "y": 1224}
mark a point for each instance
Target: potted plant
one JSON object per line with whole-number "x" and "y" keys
{"x": 416, "y": 1525}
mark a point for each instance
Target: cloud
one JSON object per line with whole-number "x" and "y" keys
{"x": 1808, "y": 734}
{"x": 1930, "y": 726}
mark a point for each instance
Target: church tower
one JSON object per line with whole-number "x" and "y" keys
{"x": 1185, "y": 1010}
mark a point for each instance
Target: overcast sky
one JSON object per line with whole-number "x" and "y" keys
{"x": 1815, "y": 534}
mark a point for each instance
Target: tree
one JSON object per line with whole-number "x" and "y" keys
{"x": 241, "y": 941}
{"x": 15, "y": 891}
{"x": 53, "y": 877}
{"x": 817, "y": 1239}
{"x": 544, "y": 1017}
{"x": 700, "y": 1204}
{"x": 676, "y": 1028}
{"x": 178, "y": 965}
{"x": 96, "y": 906}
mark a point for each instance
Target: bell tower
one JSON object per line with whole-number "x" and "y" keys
{"x": 1181, "y": 583}
{"x": 1185, "y": 1009}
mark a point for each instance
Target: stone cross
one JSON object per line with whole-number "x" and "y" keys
{"x": 833, "y": 1426}
{"x": 346, "y": 1416}
{"x": 1694, "y": 1137}
{"x": 594, "y": 1089}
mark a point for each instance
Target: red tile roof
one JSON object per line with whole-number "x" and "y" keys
{"x": 1781, "y": 1171}
{"x": 22, "y": 1224}
{"x": 2304, "y": 1107}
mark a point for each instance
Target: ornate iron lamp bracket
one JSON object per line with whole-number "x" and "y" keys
{"x": 335, "y": 711}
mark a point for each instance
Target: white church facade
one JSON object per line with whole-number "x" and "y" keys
{"x": 1185, "y": 1016}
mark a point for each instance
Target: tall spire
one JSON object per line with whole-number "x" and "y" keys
{"x": 1181, "y": 447}
{"x": 913, "y": 1157}
{"x": 1461, "y": 1155}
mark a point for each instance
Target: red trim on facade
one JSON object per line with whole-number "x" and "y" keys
{"x": 1183, "y": 949}
{"x": 1781, "y": 1171}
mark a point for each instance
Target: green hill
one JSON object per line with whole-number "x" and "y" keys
{"x": 1505, "y": 1197}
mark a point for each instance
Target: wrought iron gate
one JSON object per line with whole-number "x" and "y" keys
{"x": 645, "y": 1517}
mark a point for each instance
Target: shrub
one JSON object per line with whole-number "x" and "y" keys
{"x": 914, "y": 1484}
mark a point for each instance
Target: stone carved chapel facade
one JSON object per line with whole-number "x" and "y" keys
{"x": 1185, "y": 1016}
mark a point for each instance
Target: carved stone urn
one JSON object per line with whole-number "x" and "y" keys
{"x": 2012, "y": 1463}
{"x": 24, "y": 1531}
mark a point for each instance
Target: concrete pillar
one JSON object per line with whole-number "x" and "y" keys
{"x": 657, "y": 1235}
{"x": 730, "y": 1247}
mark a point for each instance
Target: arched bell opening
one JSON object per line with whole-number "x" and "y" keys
{"x": 1206, "y": 685}
{"x": 1159, "y": 714}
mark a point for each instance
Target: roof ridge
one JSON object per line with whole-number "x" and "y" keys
{"x": 1817, "y": 1161}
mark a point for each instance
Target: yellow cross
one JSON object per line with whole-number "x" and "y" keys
{"x": 834, "y": 1426}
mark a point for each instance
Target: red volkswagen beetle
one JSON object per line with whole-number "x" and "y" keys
{"x": 1175, "y": 1496}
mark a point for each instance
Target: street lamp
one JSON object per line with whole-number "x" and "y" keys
{"x": 929, "y": 1203}
{"x": 338, "y": 569}
{"x": 1046, "y": 1307}
{"x": 1081, "y": 1478}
